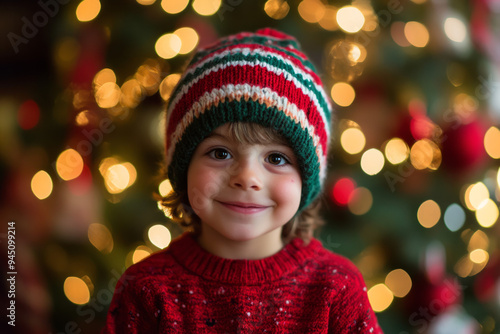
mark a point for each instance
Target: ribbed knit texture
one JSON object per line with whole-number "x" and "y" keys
{"x": 184, "y": 289}
{"x": 260, "y": 77}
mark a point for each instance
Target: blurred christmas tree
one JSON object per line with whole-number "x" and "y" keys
{"x": 413, "y": 192}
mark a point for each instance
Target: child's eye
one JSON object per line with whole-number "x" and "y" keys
{"x": 219, "y": 154}
{"x": 277, "y": 159}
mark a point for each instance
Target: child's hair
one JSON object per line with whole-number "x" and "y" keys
{"x": 257, "y": 78}
{"x": 178, "y": 208}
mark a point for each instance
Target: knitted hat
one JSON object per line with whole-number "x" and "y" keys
{"x": 260, "y": 77}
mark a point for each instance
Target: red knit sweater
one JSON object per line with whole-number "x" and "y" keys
{"x": 184, "y": 289}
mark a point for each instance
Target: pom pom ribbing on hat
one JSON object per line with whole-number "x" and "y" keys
{"x": 260, "y": 77}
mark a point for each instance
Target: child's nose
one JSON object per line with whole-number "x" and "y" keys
{"x": 246, "y": 176}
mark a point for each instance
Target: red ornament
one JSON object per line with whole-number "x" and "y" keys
{"x": 463, "y": 147}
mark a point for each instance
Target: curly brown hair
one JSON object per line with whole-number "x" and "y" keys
{"x": 176, "y": 205}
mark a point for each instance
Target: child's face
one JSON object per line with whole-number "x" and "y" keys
{"x": 243, "y": 192}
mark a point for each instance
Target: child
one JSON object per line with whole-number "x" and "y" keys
{"x": 247, "y": 135}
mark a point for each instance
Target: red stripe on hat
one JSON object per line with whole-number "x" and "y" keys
{"x": 254, "y": 76}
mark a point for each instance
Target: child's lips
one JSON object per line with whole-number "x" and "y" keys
{"x": 241, "y": 207}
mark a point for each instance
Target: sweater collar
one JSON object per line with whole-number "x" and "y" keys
{"x": 189, "y": 253}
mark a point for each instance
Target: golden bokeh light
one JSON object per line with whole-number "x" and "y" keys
{"x": 455, "y": 29}
{"x": 398, "y": 35}
{"x": 343, "y": 94}
{"x": 69, "y": 164}
{"x": 350, "y": 19}
{"x": 396, "y": 151}
{"x": 140, "y": 253}
{"x": 100, "y": 237}
{"x": 372, "y": 161}
{"x": 41, "y": 185}
{"x": 88, "y": 10}
{"x": 479, "y": 240}
{"x": 478, "y": 194}
{"x": 103, "y": 76}
{"x": 361, "y": 201}
{"x": 399, "y": 282}
{"x": 276, "y": 9}
{"x": 416, "y": 34}
{"x": 353, "y": 140}
{"x": 492, "y": 142}
{"x": 329, "y": 19}
{"x": 168, "y": 84}
{"x": 106, "y": 163}
{"x": 206, "y": 7}
{"x": 464, "y": 266}
{"x": 159, "y": 236}
{"x": 168, "y": 46}
{"x": 131, "y": 93}
{"x": 479, "y": 256}
{"x": 311, "y": 10}
{"x": 148, "y": 76}
{"x": 132, "y": 172}
{"x": 487, "y": 214}
{"x": 146, "y": 2}
{"x": 116, "y": 178}
{"x": 82, "y": 118}
{"x": 380, "y": 297}
{"x": 76, "y": 290}
{"x": 189, "y": 39}
{"x": 428, "y": 213}
{"x": 174, "y": 6}
{"x": 165, "y": 188}
{"x": 108, "y": 95}
{"x": 425, "y": 154}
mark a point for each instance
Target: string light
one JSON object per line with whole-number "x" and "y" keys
{"x": 428, "y": 213}
{"x": 88, "y": 10}
{"x": 159, "y": 236}
{"x": 350, "y": 19}
{"x": 353, "y": 140}
{"x": 206, "y": 7}
{"x": 174, "y": 6}
{"x": 492, "y": 142}
{"x": 276, "y": 9}
{"x": 380, "y": 297}
{"x": 416, "y": 34}
{"x": 372, "y": 161}
{"x": 76, "y": 290}
{"x": 41, "y": 185}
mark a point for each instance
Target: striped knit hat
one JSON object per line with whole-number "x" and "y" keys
{"x": 260, "y": 77}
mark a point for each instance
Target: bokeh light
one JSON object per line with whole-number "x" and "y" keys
{"x": 276, "y": 9}
{"x": 478, "y": 240}
{"x": 399, "y": 282}
{"x": 174, "y": 6}
{"x": 416, "y": 34}
{"x": 343, "y": 94}
{"x": 206, "y": 7}
{"x": 100, "y": 237}
{"x": 146, "y": 2}
{"x": 487, "y": 214}
{"x": 148, "y": 76}
{"x": 425, "y": 154}
{"x": 396, "y": 151}
{"x": 108, "y": 95}
{"x": 118, "y": 177}
{"x": 372, "y": 161}
{"x": 168, "y": 46}
{"x": 165, "y": 188}
{"x": 131, "y": 93}
{"x": 41, "y": 185}
{"x": 168, "y": 84}
{"x": 398, "y": 35}
{"x": 455, "y": 29}
{"x": 76, "y": 290}
{"x": 477, "y": 195}
{"x": 103, "y": 76}
{"x": 492, "y": 142}
{"x": 428, "y": 213}
{"x": 353, "y": 140}
{"x": 360, "y": 201}
{"x": 311, "y": 10}
{"x": 350, "y": 19}
{"x": 479, "y": 256}
{"x": 159, "y": 236}
{"x": 342, "y": 190}
{"x": 329, "y": 21}
{"x": 189, "y": 39}
{"x": 140, "y": 253}
{"x": 88, "y": 10}
{"x": 454, "y": 217}
{"x": 380, "y": 297}
{"x": 69, "y": 164}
